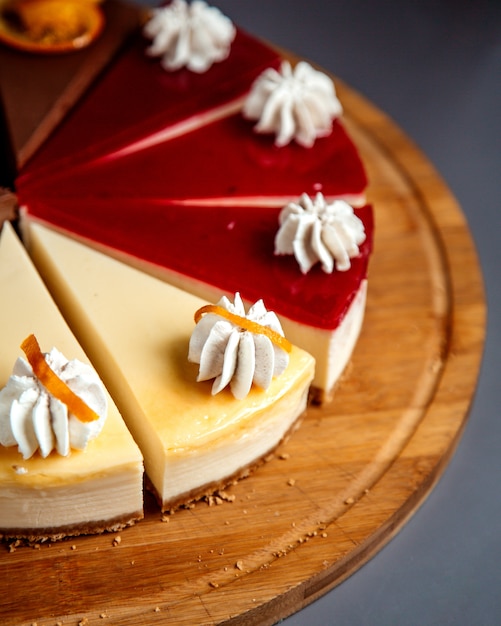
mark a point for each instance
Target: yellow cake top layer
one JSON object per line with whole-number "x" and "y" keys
{"x": 138, "y": 328}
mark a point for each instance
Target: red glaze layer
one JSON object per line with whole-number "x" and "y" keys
{"x": 131, "y": 204}
{"x": 225, "y": 159}
{"x": 230, "y": 248}
{"x": 136, "y": 98}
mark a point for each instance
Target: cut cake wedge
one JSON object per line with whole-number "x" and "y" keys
{"x": 225, "y": 249}
{"x": 89, "y": 491}
{"x": 137, "y": 329}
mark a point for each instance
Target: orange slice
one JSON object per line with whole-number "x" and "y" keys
{"x": 278, "y": 339}
{"x": 54, "y": 385}
{"x": 50, "y": 26}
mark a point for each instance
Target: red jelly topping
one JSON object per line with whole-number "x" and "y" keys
{"x": 136, "y": 98}
{"x": 224, "y": 159}
{"x": 231, "y": 248}
{"x": 149, "y": 204}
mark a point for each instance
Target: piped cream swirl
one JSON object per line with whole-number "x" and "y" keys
{"x": 314, "y": 230}
{"x": 298, "y": 104}
{"x": 33, "y": 419}
{"x": 189, "y": 35}
{"x": 233, "y": 356}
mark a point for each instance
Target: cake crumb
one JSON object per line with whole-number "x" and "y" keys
{"x": 157, "y": 609}
{"x": 14, "y": 544}
{"x": 219, "y": 497}
{"x": 291, "y": 482}
{"x": 83, "y": 622}
{"x": 214, "y": 500}
{"x": 349, "y": 500}
{"x": 324, "y": 535}
{"x": 117, "y": 540}
{"x": 239, "y": 565}
{"x": 165, "y": 518}
{"x": 213, "y": 584}
{"x": 284, "y": 456}
{"x": 73, "y": 547}
{"x": 227, "y": 497}
{"x": 103, "y": 615}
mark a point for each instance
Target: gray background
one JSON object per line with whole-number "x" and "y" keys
{"x": 434, "y": 66}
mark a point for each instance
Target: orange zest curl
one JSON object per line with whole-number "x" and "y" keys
{"x": 246, "y": 324}
{"x": 54, "y": 385}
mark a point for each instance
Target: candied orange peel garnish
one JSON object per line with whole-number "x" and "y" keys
{"x": 54, "y": 385}
{"x": 278, "y": 339}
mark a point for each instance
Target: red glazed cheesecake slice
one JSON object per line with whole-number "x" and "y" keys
{"x": 221, "y": 162}
{"x": 136, "y": 99}
{"x": 225, "y": 249}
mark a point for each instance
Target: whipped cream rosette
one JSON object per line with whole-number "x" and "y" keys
{"x": 189, "y": 35}
{"x": 298, "y": 104}
{"x": 236, "y": 348}
{"x": 314, "y": 230}
{"x": 32, "y": 418}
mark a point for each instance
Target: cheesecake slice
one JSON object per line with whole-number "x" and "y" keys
{"x": 137, "y": 330}
{"x": 92, "y": 490}
{"x": 225, "y": 249}
{"x": 52, "y": 84}
{"x": 181, "y": 136}
{"x": 137, "y": 99}
{"x": 221, "y": 162}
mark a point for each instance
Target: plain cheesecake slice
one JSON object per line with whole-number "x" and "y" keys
{"x": 136, "y": 329}
{"x": 97, "y": 489}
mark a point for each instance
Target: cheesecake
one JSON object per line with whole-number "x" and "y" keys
{"x": 226, "y": 249}
{"x": 199, "y": 217}
{"x": 137, "y": 330}
{"x": 51, "y": 492}
{"x": 183, "y": 174}
{"x": 136, "y": 99}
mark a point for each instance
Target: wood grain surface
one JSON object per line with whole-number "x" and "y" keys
{"x": 345, "y": 482}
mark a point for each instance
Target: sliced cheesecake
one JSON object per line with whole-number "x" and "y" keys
{"x": 179, "y": 183}
{"x": 136, "y": 99}
{"x": 92, "y": 490}
{"x": 209, "y": 251}
{"x": 137, "y": 329}
{"x": 222, "y": 162}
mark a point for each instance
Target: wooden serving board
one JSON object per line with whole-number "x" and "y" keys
{"x": 345, "y": 482}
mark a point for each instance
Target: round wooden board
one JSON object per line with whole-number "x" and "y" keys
{"x": 345, "y": 482}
